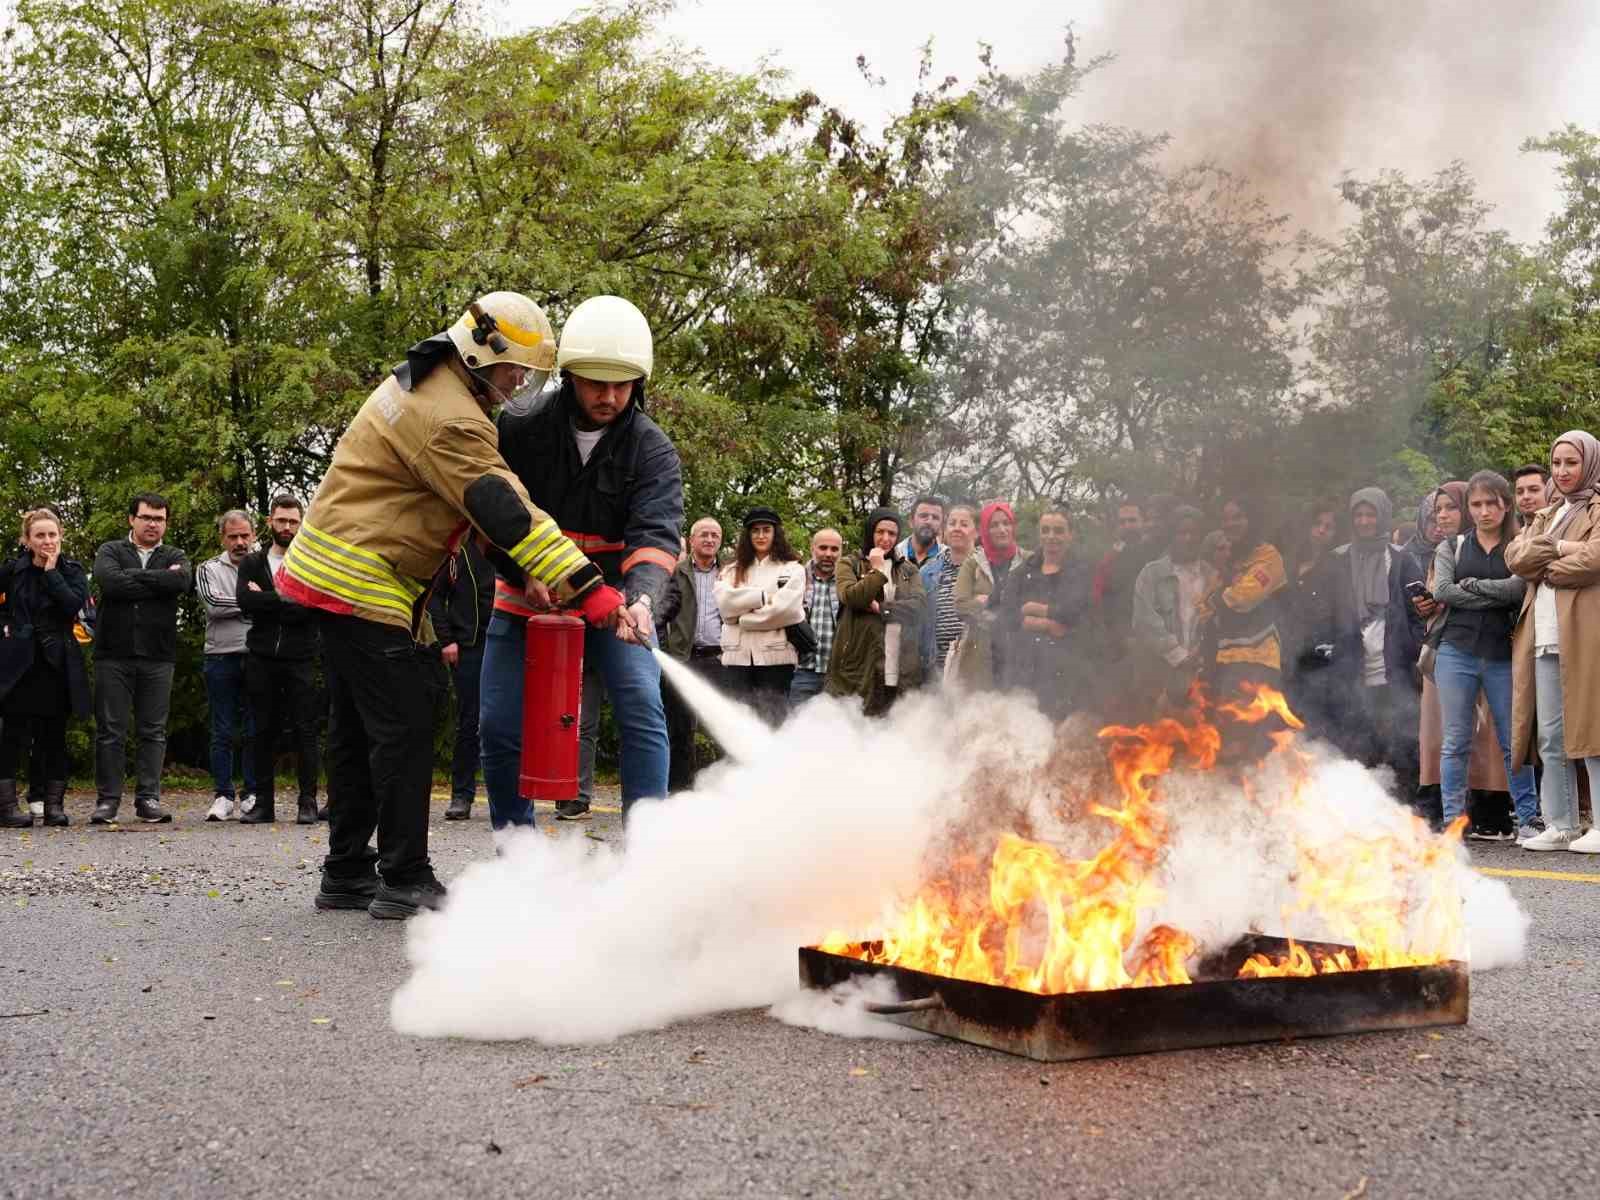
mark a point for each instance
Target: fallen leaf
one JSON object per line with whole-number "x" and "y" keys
{"x": 1356, "y": 1192}
{"x": 322, "y": 1020}
{"x": 1094, "y": 1131}
{"x": 213, "y": 894}
{"x": 858, "y": 1071}
{"x": 283, "y": 982}
{"x": 1423, "y": 1057}
{"x": 1436, "y": 1037}
{"x": 529, "y": 1081}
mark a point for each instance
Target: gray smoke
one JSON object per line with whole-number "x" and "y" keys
{"x": 1291, "y": 93}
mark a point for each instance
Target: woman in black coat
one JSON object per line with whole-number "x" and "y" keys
{"x": 42, "y": 676}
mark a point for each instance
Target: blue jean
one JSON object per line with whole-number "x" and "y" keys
{"x": 230, "y": 712}
{"x": 1560, "y": 798}
{"x": 633, "y": 682}
{"x": 805, "y": 685}
{"x": 1458, "y": 676}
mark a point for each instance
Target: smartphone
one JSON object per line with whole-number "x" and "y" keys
{"x": 1418, "y": 590}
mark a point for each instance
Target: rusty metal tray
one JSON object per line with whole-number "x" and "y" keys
{"x": 1217, "y": 1010}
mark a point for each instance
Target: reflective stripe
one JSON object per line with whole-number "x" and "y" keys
{"x": 649, "y": 554}
{"x": 547, "y": 554}
{"x": 508, "y": 599}
{"x": 346, "y": 571}
{"x": 594, "y": 543}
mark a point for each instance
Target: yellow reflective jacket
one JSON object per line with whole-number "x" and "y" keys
{"x": 395, "y": 505}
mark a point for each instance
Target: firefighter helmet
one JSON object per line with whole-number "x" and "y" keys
{"x": 608, "y": 339}
{"x": 506, "y": 327}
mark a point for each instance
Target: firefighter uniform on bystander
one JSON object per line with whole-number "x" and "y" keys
{"x": 417, "y": 470}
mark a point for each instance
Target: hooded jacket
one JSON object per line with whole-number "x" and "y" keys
{"x": 416, "y": 472}
{"x": 623, "y": 508}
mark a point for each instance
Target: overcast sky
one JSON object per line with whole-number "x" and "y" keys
{"x": 1293, "y": 89}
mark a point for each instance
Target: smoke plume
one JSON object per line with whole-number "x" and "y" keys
{"x": 1291, "y": 95}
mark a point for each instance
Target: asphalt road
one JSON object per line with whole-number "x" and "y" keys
{"x": 209, "y": 1034}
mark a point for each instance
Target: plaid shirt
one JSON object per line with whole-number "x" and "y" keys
{"x": 822, "y": 611}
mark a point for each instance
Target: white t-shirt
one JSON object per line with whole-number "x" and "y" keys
{"x": 274, "y": 560}
{"x": 587, "y": 440}
{"x": 1546, "y": 623}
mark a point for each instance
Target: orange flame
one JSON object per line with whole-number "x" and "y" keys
{"x": 1050, "y": 924}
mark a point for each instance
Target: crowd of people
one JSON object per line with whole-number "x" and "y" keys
{"x": 1454, "y": 651}
{"x": 1458, "y": 652}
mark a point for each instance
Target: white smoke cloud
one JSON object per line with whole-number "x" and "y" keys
{"x": 824, "y": 828}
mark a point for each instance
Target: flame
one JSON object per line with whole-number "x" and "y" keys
{"x": 1050, "y": 924}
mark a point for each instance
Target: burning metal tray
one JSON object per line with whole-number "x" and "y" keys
{"x": 1216, "y": 1010}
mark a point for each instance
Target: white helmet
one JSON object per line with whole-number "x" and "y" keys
{"x": 506, "y": 327}
{"x": 608, "y": 339}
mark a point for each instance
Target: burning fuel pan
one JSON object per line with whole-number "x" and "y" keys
{"x": 1216, "y": 1010}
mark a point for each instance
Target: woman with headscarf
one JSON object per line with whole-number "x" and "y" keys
{"x": 877, "y": 646}
{"x": 971, "y": 661}
{"x": 1555, "y": 648}
{"x": 42, "y": 678}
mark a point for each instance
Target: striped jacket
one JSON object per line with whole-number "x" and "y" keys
{"x": 418, "y": 468}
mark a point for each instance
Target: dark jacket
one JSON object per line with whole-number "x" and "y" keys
{"x": 856, "y": 665}
{"x": 463, "y": 598}
{"x": 1402, "y": 628}
{"x": 138, "y": 615}
{"x": 623, "y": 508}
{"x": 39, "y": 612}
{"x": 676, "y": 613}
{"x": 1057, "y": 670}
{"x": 279, "y": 628}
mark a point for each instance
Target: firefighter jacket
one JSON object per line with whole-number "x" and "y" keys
{"x": 623, "y": 508}
{"x": 417, "y": 468}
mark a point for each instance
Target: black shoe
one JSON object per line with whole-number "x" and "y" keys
{"x": 1488, "y": 833}
{"x": 10, "y": 816}
{"x": 460, "y": 809}
{"x": 346, "y": 893}
{"x": 396, "y": 902}
{"x": 55, "y": 794}
{"x": 322, "y": 812}
{"x": 307, "y": 814}
{"x": 151, "y": 811}
{"x": 257, "y": 814}
{"x": 572, "y": 810}
{"x": 105, "y": 811}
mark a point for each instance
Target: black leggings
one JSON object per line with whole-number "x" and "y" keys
{"x": 766, "y": 689}
{"x": 49, "y": 738}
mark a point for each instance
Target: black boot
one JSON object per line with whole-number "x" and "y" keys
{"x": 55, "y": 794}
{"x": 460, "y": 809}
{"x": 307, "y": 814}
{"x": 10, "y": 816}
{"x": 105, "y": 810}
{"x": 396, "y": 902}
{"x": 261, "y": 813}
{"x": 151, "y": 812}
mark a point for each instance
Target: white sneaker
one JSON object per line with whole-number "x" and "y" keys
{"x": 221, "y": 809}
{"x": 1552, "y": 839}
{"x": 1589, "y": 843}
{"x": 36, "y": 807}
{"x": 246, "y": 804}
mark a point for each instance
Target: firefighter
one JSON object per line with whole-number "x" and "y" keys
{"x": 593, "y": 459}
{"x": 417, "y": 470}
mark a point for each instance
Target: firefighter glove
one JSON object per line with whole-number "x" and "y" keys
{"x": 598, "y": 603}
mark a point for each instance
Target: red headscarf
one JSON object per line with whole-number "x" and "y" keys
{"x": 987, "y": 515}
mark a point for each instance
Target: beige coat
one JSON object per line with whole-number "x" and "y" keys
{"x": 1576, "y": 580}
{"x": 971, "y": 660}
{"x": 756, "y": 612}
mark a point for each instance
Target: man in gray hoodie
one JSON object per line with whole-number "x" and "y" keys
{"x": 217, "y": 582}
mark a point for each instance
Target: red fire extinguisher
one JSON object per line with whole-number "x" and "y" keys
{"x": 552, "y": 698}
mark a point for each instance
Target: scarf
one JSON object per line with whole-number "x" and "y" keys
{"x": 1369, "y": 559}
{"x": 874, "y": 518}
{"x": 1427, "y": 528}
{"x": 997, "y": 557}
{"x": 1588, "y": 449}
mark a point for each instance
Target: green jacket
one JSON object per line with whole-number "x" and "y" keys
{"x": 856, "y": 667}
{"x": 679, "y": 611}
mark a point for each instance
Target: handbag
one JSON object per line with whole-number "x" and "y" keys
{"x": 802, "y": 637}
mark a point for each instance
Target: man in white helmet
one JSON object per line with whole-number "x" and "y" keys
{"x": 593, "y": 459}
{"x": 417, "y": 471}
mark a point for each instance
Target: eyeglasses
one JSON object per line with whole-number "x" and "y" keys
{"x": 161, "y": 520}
